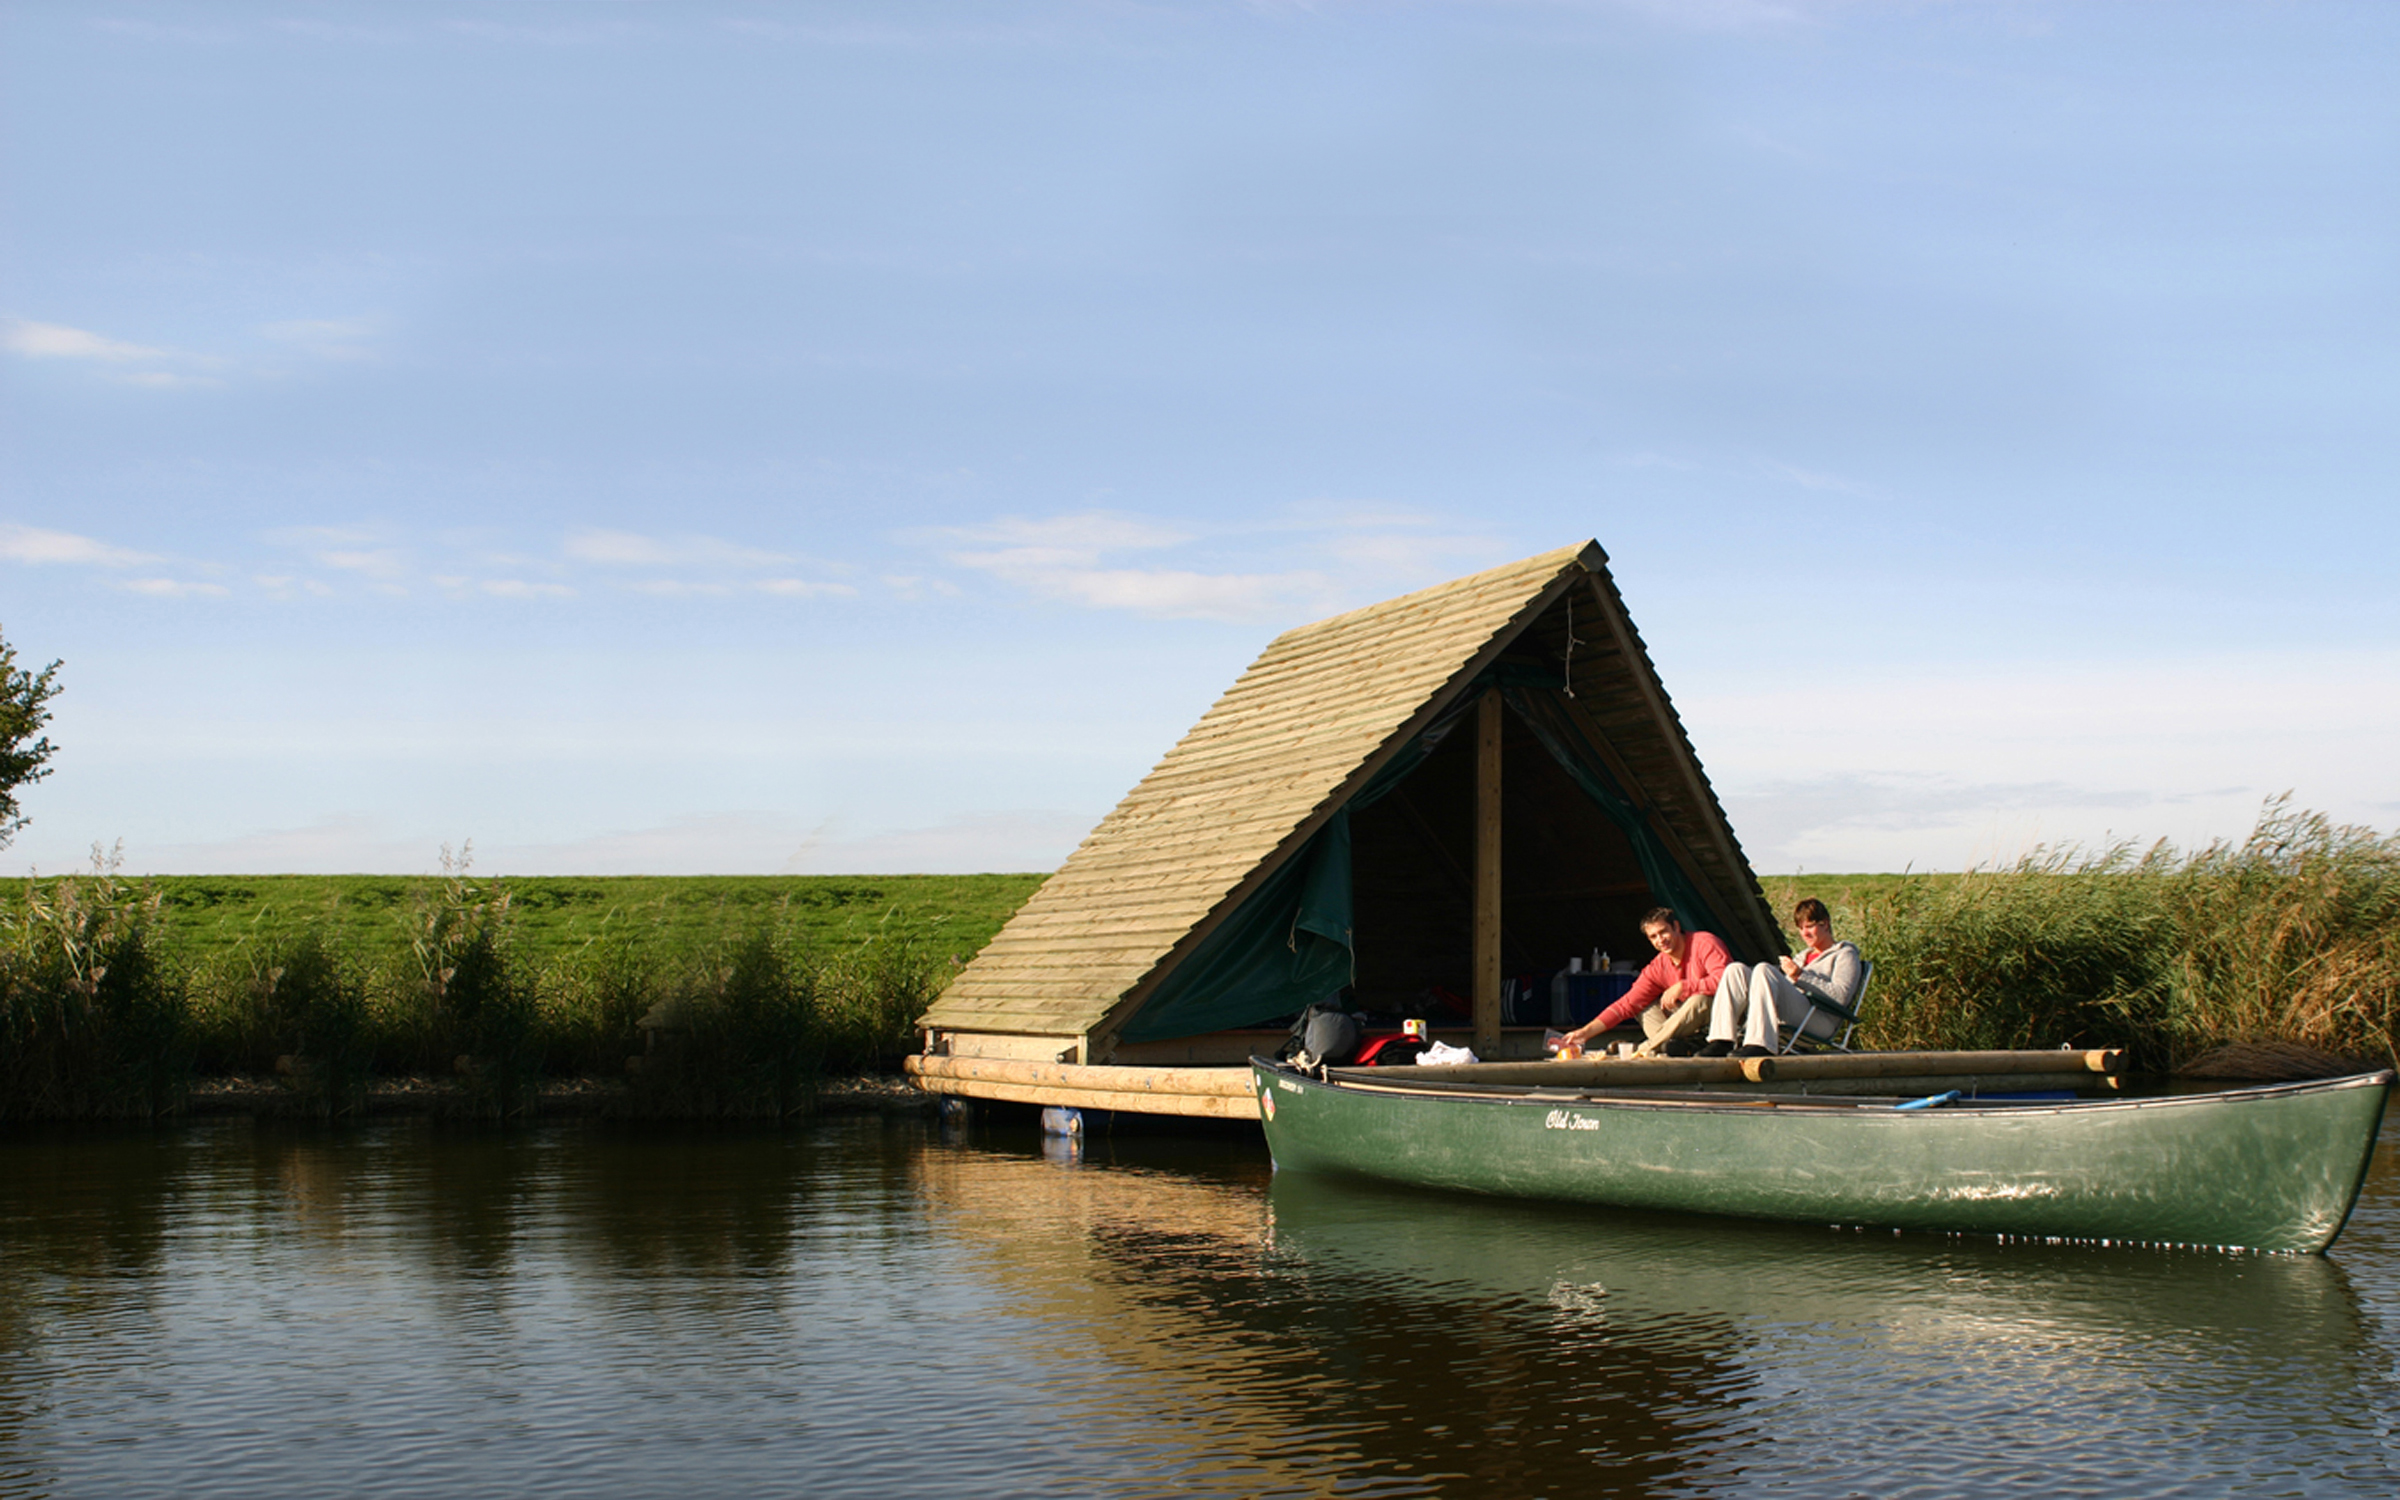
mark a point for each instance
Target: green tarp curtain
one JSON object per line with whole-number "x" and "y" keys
{"x": 1546, "y": 716}
{"x": 1289, "y": 944}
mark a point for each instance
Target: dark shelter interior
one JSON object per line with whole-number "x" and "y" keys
{"x": 1571, "y": 881}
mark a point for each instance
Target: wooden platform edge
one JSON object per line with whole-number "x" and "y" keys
{"x": 1210, "y": 1093}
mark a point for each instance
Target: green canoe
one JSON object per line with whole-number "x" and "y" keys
{"x": 2274, "y": 1168}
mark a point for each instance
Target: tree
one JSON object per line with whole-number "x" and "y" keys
{"x": 24, "y": 750}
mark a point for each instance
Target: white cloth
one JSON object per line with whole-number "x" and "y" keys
{"x": 1437, "y": 1054}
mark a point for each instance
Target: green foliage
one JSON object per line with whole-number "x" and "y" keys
{"x": 91, "y": 1022}
{"x": 743, "y": 1037}
{"x": 24, "y": 750}
{"x": 113, "y": 997}
{"x": 2290, "y": 935}
{"x": 312, "y": 1023}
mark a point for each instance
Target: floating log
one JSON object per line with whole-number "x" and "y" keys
{"x": 1788, "y": 1067}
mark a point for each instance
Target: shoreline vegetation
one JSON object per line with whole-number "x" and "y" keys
{"x": 766, "y": 997}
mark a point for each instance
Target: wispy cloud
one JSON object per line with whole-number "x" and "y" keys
{"x": 524, "y": 588}
{"x": 32, "y": 544}
{"x": 57, "y": 341}
{"x": 176, "y": 588}
{"x": 724, "y": 568}
{"x": 269, "y": 351}
{"x": 1353, "y": 551}
{"x": 1067, "y": 558}
{"x": 37, "y": 546}
{"x": 627, "y": 549}
{"x": 367, "y": 552}
{"x": 324, "y": 338}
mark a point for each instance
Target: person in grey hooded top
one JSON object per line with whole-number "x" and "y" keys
{"x": 1752, "y": 1001}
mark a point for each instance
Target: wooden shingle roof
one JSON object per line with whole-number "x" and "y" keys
{"x": 1319, "y": 712}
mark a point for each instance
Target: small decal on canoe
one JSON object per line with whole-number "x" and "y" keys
{"x": 1563, "y": 1119}
{"x": 1287, "y": 1085}
{"x": 1266, "y": 1101}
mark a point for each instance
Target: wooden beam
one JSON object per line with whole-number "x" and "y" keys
{"x": 1215, "y": 1093}
{"x": 1487, "y": 871}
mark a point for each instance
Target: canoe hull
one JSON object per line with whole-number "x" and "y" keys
{"x": 2272, "y": 1169}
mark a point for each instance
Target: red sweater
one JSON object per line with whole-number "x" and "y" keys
{"x": 1703, "y": 964}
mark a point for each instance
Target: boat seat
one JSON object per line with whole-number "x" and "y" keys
{"x": 1795, "y": 1037}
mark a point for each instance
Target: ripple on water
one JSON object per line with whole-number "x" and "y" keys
{"x": 863, "y": 1308}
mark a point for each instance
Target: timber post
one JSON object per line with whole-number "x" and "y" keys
{"x": 1487, "y": 873}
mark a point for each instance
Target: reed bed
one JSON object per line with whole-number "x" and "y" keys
{"x": 2291, "y": 936}
{"x": 2289, "y": 939}
{"x": 97, "y": 1019}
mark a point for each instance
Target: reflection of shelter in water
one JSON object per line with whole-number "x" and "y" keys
{"x": 1166, "y": 1294}
{"x": 1408, "y": 800}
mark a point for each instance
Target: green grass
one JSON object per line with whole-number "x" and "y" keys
{"x": 113, "y": 993}
{"x": 205, "y": 918}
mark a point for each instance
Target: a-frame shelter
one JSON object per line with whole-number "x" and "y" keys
{"x": 1415, "y": 799}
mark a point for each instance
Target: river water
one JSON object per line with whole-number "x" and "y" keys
{"x": 892, "y": 1307}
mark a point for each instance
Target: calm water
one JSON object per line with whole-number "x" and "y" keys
{"x": 877, "y": 1308}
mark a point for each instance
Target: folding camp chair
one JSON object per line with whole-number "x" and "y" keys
{"x": 1846, "y": 1014}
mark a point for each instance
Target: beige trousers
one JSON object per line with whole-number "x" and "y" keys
{"x": 1661, "y": 1025}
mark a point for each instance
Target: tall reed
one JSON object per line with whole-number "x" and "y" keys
{"x": 91, "y": 1022}
{"x": 2292, "y": 934}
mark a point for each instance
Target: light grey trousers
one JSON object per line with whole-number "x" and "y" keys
{"x": 1752, "y": 1000}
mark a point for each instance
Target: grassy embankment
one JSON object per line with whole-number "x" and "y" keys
{"x": 114, "y": 995}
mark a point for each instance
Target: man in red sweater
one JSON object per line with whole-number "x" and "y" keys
{"x": 1687, "y": 968}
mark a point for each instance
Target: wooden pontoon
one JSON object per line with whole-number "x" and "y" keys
{"x": 1412, "y": 801}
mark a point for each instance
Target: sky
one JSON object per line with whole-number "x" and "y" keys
{"x": 862, "y": 438}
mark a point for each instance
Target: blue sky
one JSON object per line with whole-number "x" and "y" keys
{"x": 819, "y": 437}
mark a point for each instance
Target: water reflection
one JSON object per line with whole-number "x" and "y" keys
{"x": 880, "y": 1308}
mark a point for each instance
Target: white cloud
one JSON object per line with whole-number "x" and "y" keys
{"x": 1062, "y": 557}
{"x": 32, "y": 544}
{"x": 57, "y": 341}
{"x": 629, "y": 551}
{"x": 913, "y": 588}
{"x": 167, "y": 380}
{"x": 520, "y": 588}
{"x": 1175, "y": 594}
{"x": 1356, "y": 553}
{"x": 175, "y": 588}
{"x": 377, "y": 562}
{"x": 626, "y": 549}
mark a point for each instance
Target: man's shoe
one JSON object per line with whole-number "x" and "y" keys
{"x": 1754, "y": 1052}
{"x": 1717, "y": 1049}
{"x": 1682, "y": 1046}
